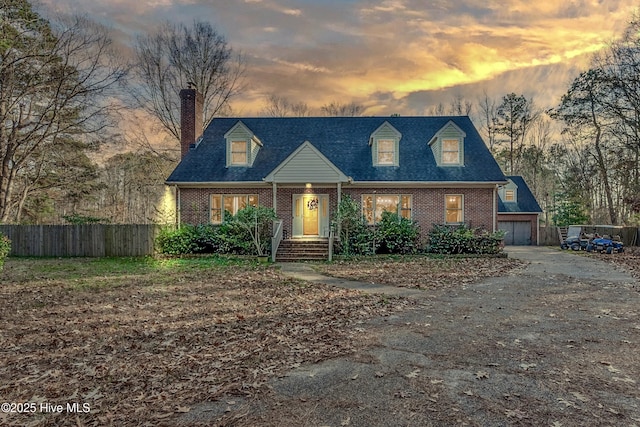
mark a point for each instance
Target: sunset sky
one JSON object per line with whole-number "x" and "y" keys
{"x": 393, "y": 56}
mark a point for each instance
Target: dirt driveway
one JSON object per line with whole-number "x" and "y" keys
{"x": 554, "y": 344}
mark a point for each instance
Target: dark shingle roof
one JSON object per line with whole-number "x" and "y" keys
{"x": 345, "y": 142}
{"x": 525, "y": 200}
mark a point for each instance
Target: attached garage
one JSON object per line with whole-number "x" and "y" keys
{"x": 516, "y": 232}
{"x": 518, "y": 213}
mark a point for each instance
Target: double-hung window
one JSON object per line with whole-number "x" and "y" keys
{"x": 239, "y": 153}
{"x": 451, "y": 151}
{"x": 454, "y": 212}
{"x": 225, "y": 205}
{"x": 386, "y": 152}
{"x": 374, "y": 204}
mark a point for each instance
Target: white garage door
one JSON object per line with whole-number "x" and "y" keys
{"x": 517, "y": 232}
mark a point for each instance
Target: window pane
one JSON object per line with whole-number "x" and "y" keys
{"x": 453, "y": 202}
{"x": 405, "y": 207}
{"x": 385, "y": 203}
{"x": 238, "y": 158}
{"x": 509, "y": 196}
{"x": 228, "y": 204}
{"x": 450, "y": 157}
{"x": 367, "y": 208}
{"x": 450, "y": 145}
{"x": 216, "y": 212}
{"x": 454, "y": 216}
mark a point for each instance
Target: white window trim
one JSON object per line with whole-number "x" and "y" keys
{"x": 461, "y": 209}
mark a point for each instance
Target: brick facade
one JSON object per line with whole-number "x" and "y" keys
{"x": 191, "y": 104}
{"x": 428, "y": 203}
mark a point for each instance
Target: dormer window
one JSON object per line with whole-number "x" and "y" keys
{"x": 509, "y": 192}
{"x": 385, "y": 145}
{"x": 239, "y": 153}
{"x": 447, "y": 145}
{"x": 386, "y": 152}
{"x": 242, "y": 146}
{"x": 451, "y": 151}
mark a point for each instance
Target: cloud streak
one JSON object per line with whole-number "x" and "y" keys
{"x": 393, "y": 56}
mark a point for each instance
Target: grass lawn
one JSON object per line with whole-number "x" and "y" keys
{"x": 141, "y": 340}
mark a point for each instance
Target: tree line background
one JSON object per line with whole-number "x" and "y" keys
{"x": 66, "y": 157}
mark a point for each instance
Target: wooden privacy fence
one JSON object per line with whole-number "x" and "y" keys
{"x": 630, "y": 236}
{"x": 91, "y": 240}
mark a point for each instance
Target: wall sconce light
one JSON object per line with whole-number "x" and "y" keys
{"x": 308, "y": 185}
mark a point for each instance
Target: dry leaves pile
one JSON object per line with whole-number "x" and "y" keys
{"x": 628, "y": 260}
{"x": 139, "y": 349}
{"x": 422, "y": 272}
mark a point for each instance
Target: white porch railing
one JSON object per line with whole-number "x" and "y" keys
{"x": 331, "y": 238}
{"x": 276, "y": 239}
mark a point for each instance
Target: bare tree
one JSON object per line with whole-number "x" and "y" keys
{"x": 279, "y": 106}
{"x": 166, "y": 61}
{"x": 488, "y": 118}
{"x": 338, "y": 109}
{"x": 53, "y": 84}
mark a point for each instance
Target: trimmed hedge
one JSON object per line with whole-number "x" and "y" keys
{"x": 445, "y": 239}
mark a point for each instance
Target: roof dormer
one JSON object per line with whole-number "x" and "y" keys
{"x": 242, "y": 146}
{"x": 385, "y": 145}
{"x": 509, "y": 193}
{"x": 448, "y": 145}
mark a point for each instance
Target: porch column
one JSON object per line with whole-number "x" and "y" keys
{"x": 275, "y": 197}
{"x": 495, "y": 208}
{"x": 339, "y": 192}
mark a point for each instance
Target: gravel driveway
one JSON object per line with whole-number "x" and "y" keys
{"x": 554, "y": 344}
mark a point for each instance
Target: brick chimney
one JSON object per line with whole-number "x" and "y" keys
{"x": 191, "y": 103}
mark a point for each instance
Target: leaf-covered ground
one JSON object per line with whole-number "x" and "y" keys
{"x": 629, "y": 260}
{"x": 421, "y": 272}
{"x": 139, "y": 341}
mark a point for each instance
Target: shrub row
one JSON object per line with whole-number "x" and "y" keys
{"x": 394, "y": 234}
{"x": 250, "y": 229}
{"x": 241, "y": 234}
